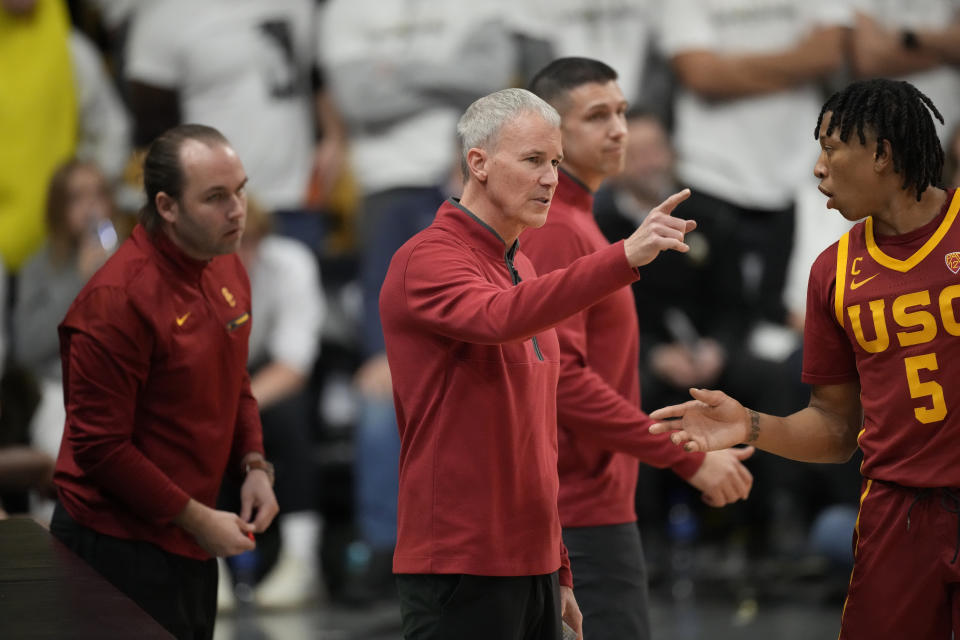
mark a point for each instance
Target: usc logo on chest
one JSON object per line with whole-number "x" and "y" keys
{"x": 915, "y": 318}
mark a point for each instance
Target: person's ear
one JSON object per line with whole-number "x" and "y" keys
{"x": 167, "y": 206}
{"x": 477, "y": 160}
{"x": 883, "y": 157}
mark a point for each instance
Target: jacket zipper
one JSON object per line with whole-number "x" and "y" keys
{"x": 515, "y": 276}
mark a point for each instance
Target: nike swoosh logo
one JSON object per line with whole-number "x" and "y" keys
{"x": 856, "y": 285}
{"x": 182, "y": 319}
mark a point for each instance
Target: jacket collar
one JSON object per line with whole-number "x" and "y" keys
{"x": 573, "y": 192}
{"x": 171, "y": 253}
{"x": 478, "y": 232}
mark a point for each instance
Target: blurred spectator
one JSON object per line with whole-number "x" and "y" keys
{"x": 3, "y": 321}
{"x": 104, "y": 121}
{"x": 246, "y": 67}
{"x": 615, "y": 31}
{"x": 24, "y": 468}
{"x": 80, "y": 237}
{"x": 38, "y": 117}
{"x": 115, "y": 17}
{"x": 951, "y": 166}
{"x": 288, "y": 307}
{"x": 401, "y": 74}
{"x": 115, "y": 14}
{"x": 685, "y": 318}
{"x": 745, "y": 69}
{"x": 692, "y": 328}
{"x": 914, "y": 41}
{"x": 693, "y": 334}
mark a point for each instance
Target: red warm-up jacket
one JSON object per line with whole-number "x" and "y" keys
{"x": 154, "y": 352}
{"x": 475, "y": 363}
{"x": 603, "y": 433}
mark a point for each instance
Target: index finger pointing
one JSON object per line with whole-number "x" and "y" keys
{"x": 668, "y": 205}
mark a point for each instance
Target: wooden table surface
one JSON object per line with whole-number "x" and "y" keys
{"x": 46, "y": 591}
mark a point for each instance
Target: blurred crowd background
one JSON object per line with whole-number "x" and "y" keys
{"x": 343, "y": 113}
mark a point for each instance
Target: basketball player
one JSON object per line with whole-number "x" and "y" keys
{"x": 881, "y": 353}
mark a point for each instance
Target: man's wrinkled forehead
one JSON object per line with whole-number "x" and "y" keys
{"x": 527, "y": 133}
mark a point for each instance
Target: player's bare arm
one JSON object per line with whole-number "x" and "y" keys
{"x": 825, "y": 431}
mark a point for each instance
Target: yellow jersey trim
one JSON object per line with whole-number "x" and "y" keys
{"x": 856, "y": 546}
{"x": 856, "y": 527}
{"x": 841, "y": 283}
{"x": 905, "y": 265}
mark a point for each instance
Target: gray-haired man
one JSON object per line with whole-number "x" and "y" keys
{"x": 475, "y": 362}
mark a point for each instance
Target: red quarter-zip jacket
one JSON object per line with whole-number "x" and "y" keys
{"x": 475, "y": 365}
{"x": 154, "y": 352}
{"x": 603, "y": 433}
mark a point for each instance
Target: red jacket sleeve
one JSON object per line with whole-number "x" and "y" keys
{"x": 586, "y": 403}
{"x": 446, "y": 291}
{"x": 248, "y": 436}
{"x": 588, "y": 406}
{"x": 100, "y": 389}
{"x": 564, "y": 574}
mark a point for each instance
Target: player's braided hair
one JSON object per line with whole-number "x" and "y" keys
{"x": 895, "y": 111}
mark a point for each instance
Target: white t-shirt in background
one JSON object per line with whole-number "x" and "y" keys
{"x": 751, "y": 151}
{"x": 392, "y": 67}
{"x": 288, "y": 304}
{"x": 243, "y": 67}
{"x": 942, "y": 84}
{"x": 616, "y": 32}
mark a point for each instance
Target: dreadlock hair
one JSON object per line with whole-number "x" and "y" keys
{"x": 565, "y": 74}
{"x": 895, "y": 111}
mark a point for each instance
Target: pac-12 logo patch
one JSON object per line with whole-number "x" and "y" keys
{"x": 953, "y": 261}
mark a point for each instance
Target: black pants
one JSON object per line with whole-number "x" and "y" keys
{"x": 178, "y": 592}
{"x": 468, "y": 607}
{"x": 610, "y": 580}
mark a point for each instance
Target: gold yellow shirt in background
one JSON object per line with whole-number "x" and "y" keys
{"x": 38, "y": 121}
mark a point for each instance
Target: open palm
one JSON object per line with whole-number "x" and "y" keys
{"x": 711, "y": 421}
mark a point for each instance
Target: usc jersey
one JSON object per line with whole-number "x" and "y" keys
{"x": 886, "y": 310}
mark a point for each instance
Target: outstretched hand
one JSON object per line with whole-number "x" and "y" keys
{"x": 659, "y": 231}
{"x": 711, "y": 421}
